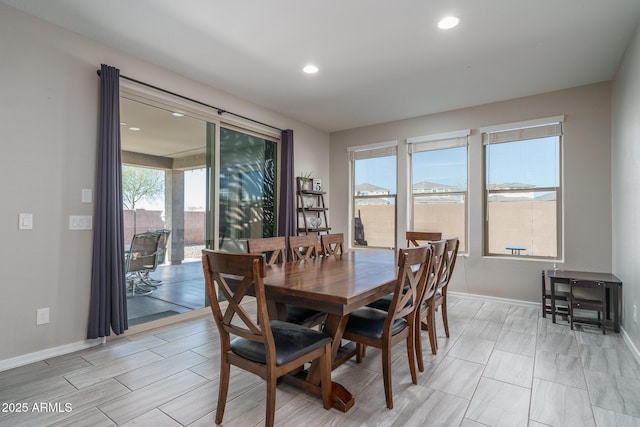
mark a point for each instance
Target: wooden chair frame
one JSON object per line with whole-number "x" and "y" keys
{"x": 408, "y": 291}
{"x": 425, "y": 314}
{"x": 332, "y": 244}
{"x": 275, "y": 245}
{"x": 250, "y": 270}
{"x": 303, "y": 247}
{"x": 414, "y": 237}
{"x": 441, "y": 293}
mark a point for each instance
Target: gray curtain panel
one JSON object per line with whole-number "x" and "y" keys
{"x": 108, "y": 310}
{"x": 287, "y": 206}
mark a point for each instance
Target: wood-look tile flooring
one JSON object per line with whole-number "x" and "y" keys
{"x": 503, "y": 365}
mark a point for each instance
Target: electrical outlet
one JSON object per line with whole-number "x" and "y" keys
{"x": 635, "y": 313}
{"x": 42, "y": 316}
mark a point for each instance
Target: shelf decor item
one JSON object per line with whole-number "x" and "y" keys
{"x": 306, "y": 182}
{"x": 317, "y": 184}
{"x": 315, "y": 222}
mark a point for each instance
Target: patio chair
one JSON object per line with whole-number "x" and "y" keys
{"x": 162, "y": 253}
{"x": 141, "y": 258}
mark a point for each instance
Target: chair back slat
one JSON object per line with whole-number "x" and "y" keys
{"x": 332, "y": 244}
{"x": 303, "y": 247}
{"x": 415, "y": 237}
{"x": 413, "y": 266}
{"x": 275, "y": 245}
{"x": 237, "y": 276}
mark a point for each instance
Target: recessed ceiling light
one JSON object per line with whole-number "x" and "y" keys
{"x": 310, "y": 69}
{"x": 448, "y": 22}
{"x": 176, "y": 114}
{"x": 134, "y": 129}
{"x": 123, "y": 124}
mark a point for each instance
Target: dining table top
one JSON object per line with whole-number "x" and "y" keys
{"x": 337, "y": 284}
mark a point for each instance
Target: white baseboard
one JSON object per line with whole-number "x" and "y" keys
{"x": 630, "y": 344}
{"x": 495, "y": 299}
{"x": 48, "y": 353}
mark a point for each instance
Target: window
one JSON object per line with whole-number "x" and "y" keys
{"x": 523, "y": 191}
{"x": 439, "y": 184}
{"x": 374, "y": 195}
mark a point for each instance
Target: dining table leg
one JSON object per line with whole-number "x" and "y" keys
{"x": 334, "y": 326}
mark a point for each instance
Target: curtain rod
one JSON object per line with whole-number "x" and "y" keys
{"x": 219, "y": 110}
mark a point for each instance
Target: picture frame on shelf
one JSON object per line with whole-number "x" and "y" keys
{"x": 317, "y": 184}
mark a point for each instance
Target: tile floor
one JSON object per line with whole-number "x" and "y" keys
{"x": 503, "y": 365}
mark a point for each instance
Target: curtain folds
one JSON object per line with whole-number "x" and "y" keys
{"x": 108, "y": 309}
{"x": 287, "y": 206}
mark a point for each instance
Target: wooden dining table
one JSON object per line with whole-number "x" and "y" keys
{"x": 337, "y": 285}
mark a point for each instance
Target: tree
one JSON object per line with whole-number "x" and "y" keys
{"x": 140, "y": 184}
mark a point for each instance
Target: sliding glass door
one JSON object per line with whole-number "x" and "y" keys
{"x": 247, "y": 189}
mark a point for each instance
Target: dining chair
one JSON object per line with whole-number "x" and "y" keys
{"x": 425, "y": 313}
{"x": 415, "y": 237}
{"x": 139, "y": 260}
{"x": 267, "y": 348}
{"x": 372, "y": 327}
{"x": 332, "y": 244}
{"x": 275, "y": 246}
{"x": 451, "y": 255}
{"x": 303, "y": 247}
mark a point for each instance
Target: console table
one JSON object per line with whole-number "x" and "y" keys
{"x": 611, "y": 282}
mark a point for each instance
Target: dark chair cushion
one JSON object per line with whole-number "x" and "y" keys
{"x": 301, "y": 315}
{"x": 291, "y": 341}
{"x": 383, "y": 303}
{"x": 369, "y": 322}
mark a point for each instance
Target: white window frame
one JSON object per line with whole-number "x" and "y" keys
{"x": 521, "y": 131}
{"x": 439, "y": 141}
{"x": 361, "y": 152}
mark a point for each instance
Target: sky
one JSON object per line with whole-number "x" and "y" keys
{"x": 530, "y": 162}
{"x": 195, "y": 190}
{"x": 525, "y": 162}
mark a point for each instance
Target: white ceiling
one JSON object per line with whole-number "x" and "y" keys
{"x": 379, "y": 60}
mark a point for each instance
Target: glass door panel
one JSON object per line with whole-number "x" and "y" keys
{"x": 247, "y": 191}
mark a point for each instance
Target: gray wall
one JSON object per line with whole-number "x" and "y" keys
{"x": 49, "y": 108}
{"x": 586, "y": 186}
{"x": 625, "y": 183}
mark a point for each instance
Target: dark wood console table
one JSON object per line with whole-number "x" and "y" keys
{"x": 611, "y": 282}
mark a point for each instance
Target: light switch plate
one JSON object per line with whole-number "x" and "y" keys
{"x": 42, "y": 316}
{"x": 87, "y": 196}
{"x": 25, "y": 221}
{"x": 80, "y": 222}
